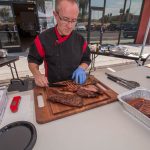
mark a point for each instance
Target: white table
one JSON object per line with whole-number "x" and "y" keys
{"x": 108, "y": 127}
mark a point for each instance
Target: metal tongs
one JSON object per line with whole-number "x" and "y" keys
{"x": 123, "y": 82}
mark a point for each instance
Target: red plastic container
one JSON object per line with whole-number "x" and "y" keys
{"x": 15, "y": 103}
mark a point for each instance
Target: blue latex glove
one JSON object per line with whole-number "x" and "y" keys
{"x": 79, "y": 75}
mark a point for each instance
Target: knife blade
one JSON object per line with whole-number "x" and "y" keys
{"x": 56, "y": 85}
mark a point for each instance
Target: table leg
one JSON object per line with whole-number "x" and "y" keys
{"x": 11, "y": 69}
{"x": 16, "y": 70}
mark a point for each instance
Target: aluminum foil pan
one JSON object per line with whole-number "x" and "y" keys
{"x": 133, "y": 94}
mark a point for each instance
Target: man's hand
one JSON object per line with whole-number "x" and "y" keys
{"x": 41, "y": 80}
{"x": 79, "y": 75}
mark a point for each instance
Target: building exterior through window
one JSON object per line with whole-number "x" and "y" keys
{"x": 22, "y": 20}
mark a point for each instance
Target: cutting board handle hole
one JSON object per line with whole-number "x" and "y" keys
{"x": 40, "y": 101}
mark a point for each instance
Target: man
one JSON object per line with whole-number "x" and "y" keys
{"x": 65, "y": 53}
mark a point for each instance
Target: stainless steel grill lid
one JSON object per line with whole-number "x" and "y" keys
{"x": 19, "y": 135}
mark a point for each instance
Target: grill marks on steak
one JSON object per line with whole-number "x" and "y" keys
{"x": 66, "y": 99}
{"x": 73, "y": 87}
{"x": 87, "y": 94}
{"x": 70, "y": 89}
{"x": 73, "y": 93}
{"x": 89, "y": 91}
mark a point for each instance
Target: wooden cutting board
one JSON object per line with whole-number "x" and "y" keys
{"x": 53, "y": 111}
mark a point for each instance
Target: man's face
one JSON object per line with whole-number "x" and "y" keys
{"x": 66, "y": 17}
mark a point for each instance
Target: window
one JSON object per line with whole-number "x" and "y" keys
{"x": 119, "y": 25}
{"x": 8, "y": 31}
{"x": 131, "y": 18}
{"x": 45, "y": 13}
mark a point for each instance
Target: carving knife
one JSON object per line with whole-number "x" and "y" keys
{"x": 56, "y": 85}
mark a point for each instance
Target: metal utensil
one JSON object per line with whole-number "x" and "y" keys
{"x": 126, "y": 83}
{"x": 56, "y": 85}
{"x": 120, "y": 83}
{"x": 129, "y": 82}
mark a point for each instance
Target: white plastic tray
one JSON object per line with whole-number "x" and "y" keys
{"x": 3, "y": 101}
{"x": 132, "y": 94}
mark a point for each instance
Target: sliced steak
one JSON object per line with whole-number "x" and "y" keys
{"x": 136, "y": 103}
{"x": 141, "y": 104}
{"x": 66, "y": 99}
{"x": 89, "y": 91}
{"x": 145, "y": 108}
{"x": 70, "y": 89}
{"x": 71, "y": 86}
{"x": 86, "y": 94}
{"x": 92, "y": 88}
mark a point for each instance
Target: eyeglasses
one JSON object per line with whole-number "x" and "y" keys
{"x": 66, "y": 20}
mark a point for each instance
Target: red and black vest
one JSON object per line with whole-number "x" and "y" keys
{"x": 61, "y": 55}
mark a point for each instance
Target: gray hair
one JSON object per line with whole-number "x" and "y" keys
{"x": 57, "y": 2}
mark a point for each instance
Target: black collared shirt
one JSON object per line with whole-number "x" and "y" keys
{"x": 61, "y": 55}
